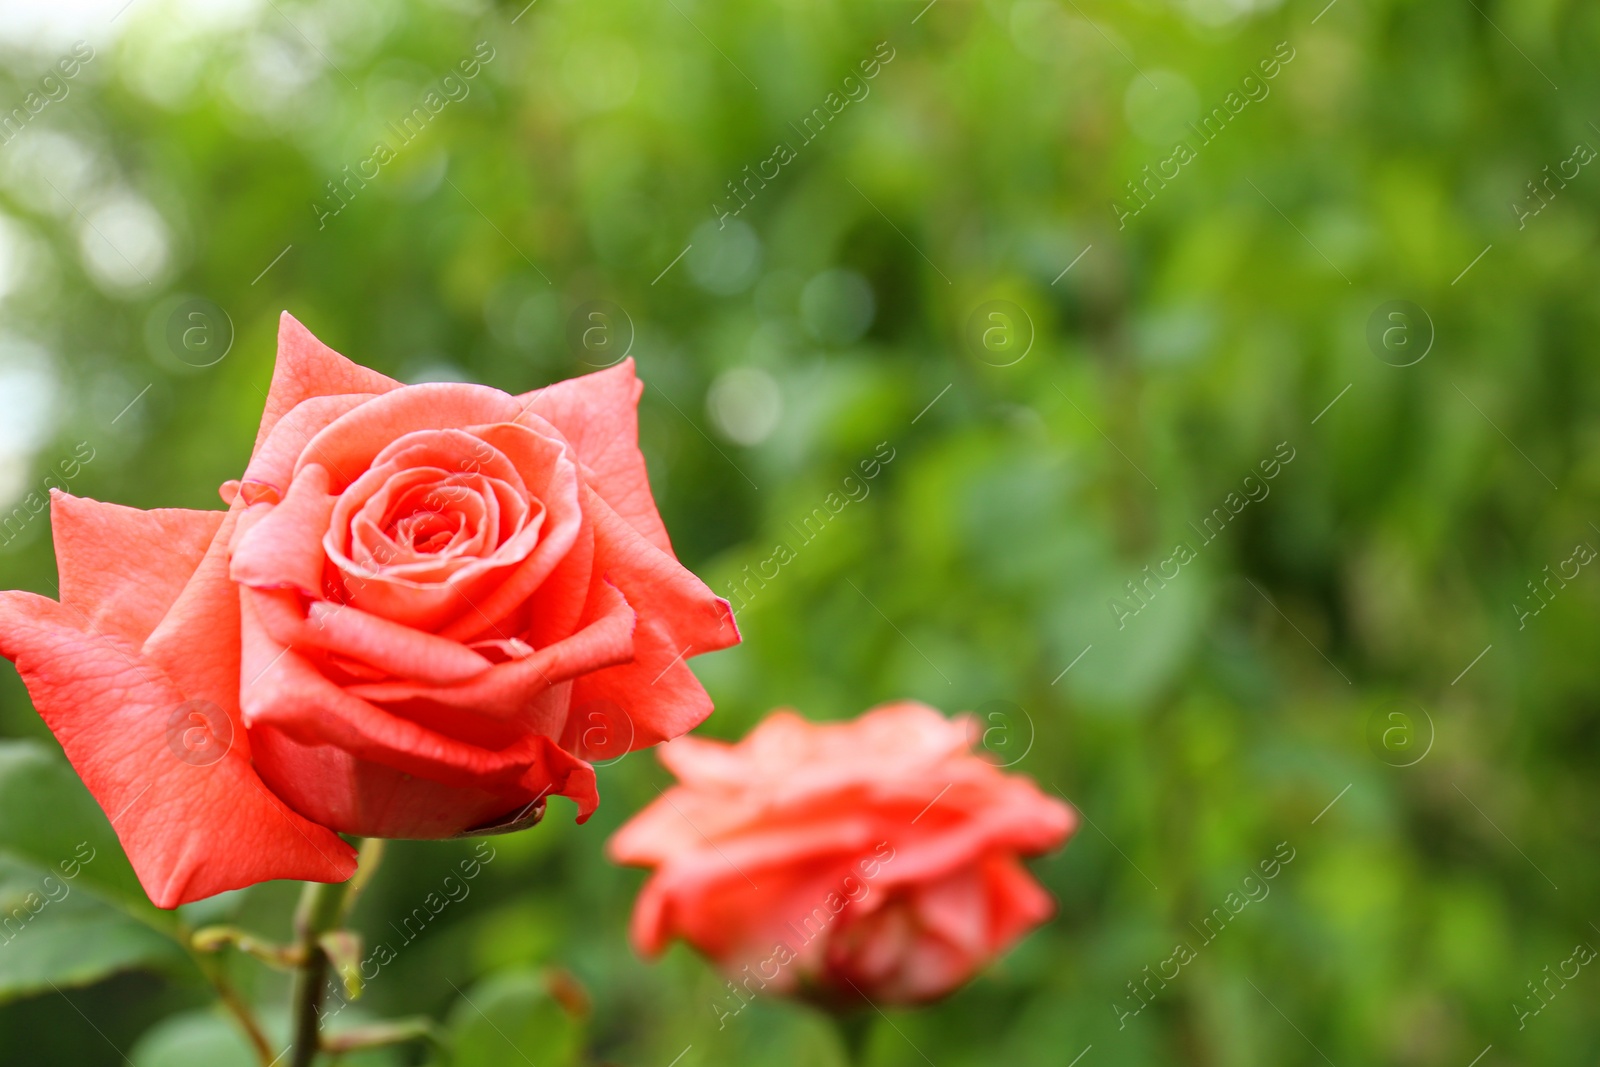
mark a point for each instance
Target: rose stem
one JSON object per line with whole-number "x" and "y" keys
{"x": 321, "y": 909}
{"x": 855, "y": 1027}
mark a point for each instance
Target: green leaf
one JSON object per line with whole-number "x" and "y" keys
{"x": 776, "y": 1033}
{"x": 49, "y": 820}
{"x": 512, "y": 1017}
{"x": 211, "y": 1038}
{"x": 192, "y": 1038}
{"x": 53, "y": 935}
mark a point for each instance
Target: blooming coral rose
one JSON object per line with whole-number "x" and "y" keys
{"x": 878, "y": 858}
{"x": 424, "y": 609}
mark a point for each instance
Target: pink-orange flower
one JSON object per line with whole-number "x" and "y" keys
{"x": 879, "y": 858}
{"x": 425, "y": 609}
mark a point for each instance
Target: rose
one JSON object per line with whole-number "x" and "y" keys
{"x": 426, "y": 608}
{"x": 875, "y": 859}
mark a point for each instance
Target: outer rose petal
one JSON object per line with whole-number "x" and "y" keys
{"x": 122, "y": 567}
{"x": 795, "y": 758}
{"x": 368, "y": 640}
{"x": 735, "y": 923}
{"x": 190, "y": 830}
{"x": 373, "y": 799}
{"x": 308, "y": 368}
{"x": 599, "y": 414}
{"x": 678, "y": 617}
{"x": 1018, "y": 902}
{"x": 937, "y": 936}
{"x": 362, "y": 769}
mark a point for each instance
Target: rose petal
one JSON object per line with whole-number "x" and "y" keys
{"x": 287, "y": 694}
{"x": 122, "y": 567}
{"x": 956, "y": 908}
{"x": 279, "y": 546}
{"x": 275, "y": 463}
{"x": 506, "y": 689}
{"x": 1017, "y": 903}
{"x": 739, "y": 923}
{"x": 308, "y": 368}
{"x": 552, "y": 479}
{"x": 372, "y": 799}
{"x": 196, "y": 643}
{"x": 598, "y": 414}
{"x": 350, "y": 444}
{"x": 678, "y": 617}
{"x": 381, "y": 644}
{"x": 190, "y": 831}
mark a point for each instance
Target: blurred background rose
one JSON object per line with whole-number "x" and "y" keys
{"x": 772, "y": 857}
{"x": 157, "y": 212}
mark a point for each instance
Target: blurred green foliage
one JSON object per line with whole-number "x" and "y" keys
{"x": 1177, "y": 354}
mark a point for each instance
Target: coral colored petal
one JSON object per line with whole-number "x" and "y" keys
{"x": 359, "y": 796}
{"x": 702, "y": 761}
{"x": 507, "y": 689}
{"x": 279, "y": 546}
{"x": 350, "y": 444}
{"x": 284, "y": 692}
{"x": 678, "y": 617}
{"x": 651, "y": 927}
{"x": 562, "y": 602}
{"x": 552, "y": 479}
{"x": 122, "y": 567}
{"x": 197, "y": 642}
{"x": 385, "y": 646}
{"x": 931, "y": 852}
{"x": 191, "y": 829}
{"x": 956, "y": 908}
{"x": 656, "y": 834}
{"x": 1017, "y": 903}
{"x": 928, "y": 968}
{"x": 308, "y": 368}
{"x": 598, "y": 414}
{"x": 273, "y": 466}
{"x": 392, "y": 647}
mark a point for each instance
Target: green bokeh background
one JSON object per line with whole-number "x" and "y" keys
{"x": 1175, "y": 356}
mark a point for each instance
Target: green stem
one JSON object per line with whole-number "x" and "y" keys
{"x": 321, "y": 910}
{"x": 216, "y": 938}
{"x": 855, "y": 1027}
{"x": 384, "y": 1035}
{"x": 215, "y": 974}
